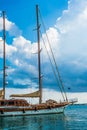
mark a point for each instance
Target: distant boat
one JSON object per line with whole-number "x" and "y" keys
{"x": 20, "y": 107}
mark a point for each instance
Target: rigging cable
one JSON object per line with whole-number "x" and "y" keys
{"x": 53, "y": 58}
{"x": 53, "y": 68}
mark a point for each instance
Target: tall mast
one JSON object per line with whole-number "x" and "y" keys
{"x": 4, "y": 54}
{"x": 39, "y": 64}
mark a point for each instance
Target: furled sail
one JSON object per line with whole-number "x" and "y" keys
{"x": 1, "y": 94}
{"x": 34, "y": 94}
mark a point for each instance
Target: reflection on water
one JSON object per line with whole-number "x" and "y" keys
{"x": 75, "y": 118}
{"x": 44, "y": 122}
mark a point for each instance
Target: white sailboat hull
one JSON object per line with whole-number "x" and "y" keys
{"x": 34, "y": 112}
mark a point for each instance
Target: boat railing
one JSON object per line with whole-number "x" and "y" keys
{"x": 15, "y": 107}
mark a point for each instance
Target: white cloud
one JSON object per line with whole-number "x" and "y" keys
{"x": 22, "y": 81}
{"x": 24, "y": 46}
{"x": 10, "y": 27}
{"x": 53, "y": 37}
{"x": 10, "y": 70}
{"x": 23, "y": 57}
{"x": 73, "y": 29}
{"x": 68, "y": 38}
{"x": 10, "y": 49}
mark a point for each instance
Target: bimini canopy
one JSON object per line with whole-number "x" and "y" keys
{"x": 32, "y": 95}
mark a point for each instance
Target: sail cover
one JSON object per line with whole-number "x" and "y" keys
{"x": 34, "y": 94}
{"x": 1, "y": 94}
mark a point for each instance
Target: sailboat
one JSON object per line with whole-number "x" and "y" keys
{"x": 20, "y": 107}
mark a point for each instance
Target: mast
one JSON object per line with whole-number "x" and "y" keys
{"x": 39, "y": 62}
{"x": 4, "y": 54}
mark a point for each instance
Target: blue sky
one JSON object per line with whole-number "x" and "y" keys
{"x": 66, "y": 26}
{"x": 23, "y": 13}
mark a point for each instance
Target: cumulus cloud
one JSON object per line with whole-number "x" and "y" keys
{"x": 73, "y": 28}
{"x": 10, "y": 49}
{"x": 53, "y": 37}
{"x": 68, "y": 41}
{"x": 10, "y": 27}
{"x": 24, "y": 46}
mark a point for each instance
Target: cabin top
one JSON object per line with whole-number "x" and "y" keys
{"x": 13, "y": 102}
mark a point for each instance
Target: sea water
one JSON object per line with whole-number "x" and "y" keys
{"x": 74, "y": 118}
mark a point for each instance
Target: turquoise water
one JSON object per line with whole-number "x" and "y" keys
{"x": 74, "y": 118}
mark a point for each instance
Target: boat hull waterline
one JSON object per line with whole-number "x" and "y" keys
{"x": 33, "y": 112}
